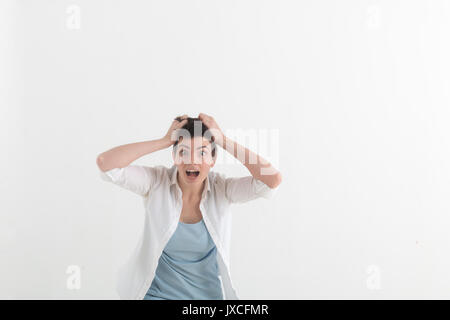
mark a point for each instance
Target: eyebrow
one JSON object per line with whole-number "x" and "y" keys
{"x": 183, "y": 145}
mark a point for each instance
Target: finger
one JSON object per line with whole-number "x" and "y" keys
{"x": 181, "y": 123}
{"x": 179, "y": 118}
{"x": 206, "y": 117}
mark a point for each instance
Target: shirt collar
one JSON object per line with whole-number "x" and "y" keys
{"x": 173, "y": 179}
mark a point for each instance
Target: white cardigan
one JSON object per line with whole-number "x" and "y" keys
{"x": 162, "y": 198}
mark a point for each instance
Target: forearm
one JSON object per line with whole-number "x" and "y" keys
{"x": 123, "y": 155}
{"x": 259, "y": 167}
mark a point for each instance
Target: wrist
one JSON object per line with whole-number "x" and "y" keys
{"x": 166, "y": 141}
{"x": 221, "y": 141}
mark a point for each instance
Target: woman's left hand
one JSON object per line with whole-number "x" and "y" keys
{"x": 211, "y": 123}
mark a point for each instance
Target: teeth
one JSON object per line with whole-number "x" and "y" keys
{"x": 192, "y": 173}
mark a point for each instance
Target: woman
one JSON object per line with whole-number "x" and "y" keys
{"x": 183, "y": 251}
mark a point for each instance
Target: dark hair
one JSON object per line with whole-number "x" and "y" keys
{"x": 189, "y": 126}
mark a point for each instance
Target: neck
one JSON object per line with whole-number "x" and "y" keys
{"x": 191, "y": 191}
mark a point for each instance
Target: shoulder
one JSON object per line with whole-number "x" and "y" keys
{"x": 157, "y": 174}
{"x": 215, "y": 176}
{"x": 161, "y": 171}
{"x": 159, "y": 168}
{"x": 217, "y": 180}
{"x": 217, "y": 183}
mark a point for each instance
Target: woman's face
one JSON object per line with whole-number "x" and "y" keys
{"x": 193, "y": 159}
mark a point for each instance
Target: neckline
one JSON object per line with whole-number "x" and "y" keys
{"x": 191, "y": 223}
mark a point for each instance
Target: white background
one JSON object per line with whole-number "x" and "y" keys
{"x": 358, "y": 91}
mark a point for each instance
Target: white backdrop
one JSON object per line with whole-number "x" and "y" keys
{"x": 357, "y": 90}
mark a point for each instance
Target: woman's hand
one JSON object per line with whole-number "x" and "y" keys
{"x": 169, "y": 137}
{"x": 214, "y": 128}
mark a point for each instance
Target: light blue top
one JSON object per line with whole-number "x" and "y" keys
{"x": 187, "y": 268}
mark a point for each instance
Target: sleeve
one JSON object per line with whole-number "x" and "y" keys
{"x": 138, "y": 179}
{"x": 243, "y": 189}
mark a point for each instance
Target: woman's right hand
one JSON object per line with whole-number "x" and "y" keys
{"x": 175, "y": 126}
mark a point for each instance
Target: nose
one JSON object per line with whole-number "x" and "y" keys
{"x": 195, "y": 159}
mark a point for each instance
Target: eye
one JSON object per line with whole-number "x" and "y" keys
{"x": 181, "y": 152}
{"x": 203, "y": 153}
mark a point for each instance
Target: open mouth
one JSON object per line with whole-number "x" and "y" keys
{"x": 192, "y": 173}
